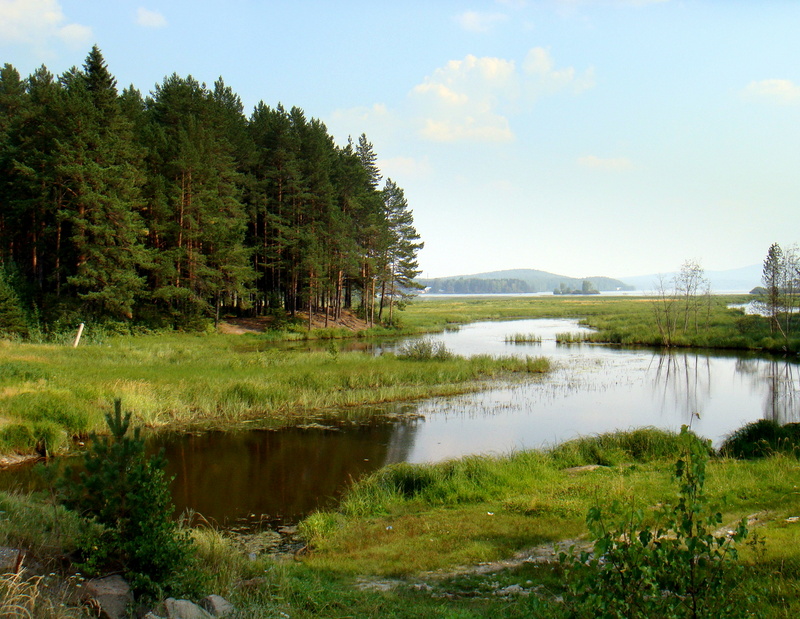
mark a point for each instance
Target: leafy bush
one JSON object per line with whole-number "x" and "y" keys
{"x": 126, "y": 493}
{"x": 678, "y": 567}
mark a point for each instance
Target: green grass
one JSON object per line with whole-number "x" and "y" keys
{"x": 49, "y": 393}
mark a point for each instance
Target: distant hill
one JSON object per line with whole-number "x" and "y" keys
{"x": 516, "y": 281}
{"x": 743, "y": 279}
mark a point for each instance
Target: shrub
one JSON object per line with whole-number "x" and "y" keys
{"x": 676, "y": 568}
{"x": 126, "y": 493}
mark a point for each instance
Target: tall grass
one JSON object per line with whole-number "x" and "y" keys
{"x": 51, "y": 393}
{"x": 523, "y": 338}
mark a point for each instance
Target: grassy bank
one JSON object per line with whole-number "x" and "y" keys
{"x": 49, "y": 392}
{"x": 474, "y": 537}
{"x": 618, "y": 320}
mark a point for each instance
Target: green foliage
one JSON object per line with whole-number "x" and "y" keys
{"x": 13, "y": 320}
{"x": 175, "y": 208}
{"x": 126, "y": 493}
{"x": 680, "y": 565}
{"x": 761, "y": 439}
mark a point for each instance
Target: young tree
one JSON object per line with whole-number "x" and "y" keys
{"x": 399, "y": 260}
{"x": 772, "y": 276}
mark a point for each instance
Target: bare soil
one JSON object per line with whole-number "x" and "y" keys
{"x": 238, "y": 326}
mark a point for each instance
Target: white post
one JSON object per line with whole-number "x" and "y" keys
{"x": 78, "y": 337}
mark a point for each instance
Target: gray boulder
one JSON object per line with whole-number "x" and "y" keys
{"x": 183, "y": 609}
{"x": 110, "y": 596}
{"x": 217, "y": 606}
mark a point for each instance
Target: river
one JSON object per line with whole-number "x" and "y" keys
{"x": 242, "y": 479}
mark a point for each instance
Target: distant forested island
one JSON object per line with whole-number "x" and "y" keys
{"x": 521, "y": 281}
{"x": 175, "y": 206}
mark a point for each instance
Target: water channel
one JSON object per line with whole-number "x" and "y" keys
{"x": 246, "y": 478}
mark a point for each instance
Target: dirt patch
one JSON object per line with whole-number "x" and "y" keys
{"x": 238, "y": 326}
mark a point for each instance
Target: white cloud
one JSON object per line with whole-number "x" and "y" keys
{"x": 614, "y": 164}
{"x": 38, "y": 23}
{"x": 473, "y": 21}
{"x": 150, "y": 19}
{"x": 783, "y": 92}
{"x": 471, "y": 99}
{"x": 544, "y": 78}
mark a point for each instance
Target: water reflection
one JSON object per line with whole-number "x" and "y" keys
{"x": 275, "y": 476}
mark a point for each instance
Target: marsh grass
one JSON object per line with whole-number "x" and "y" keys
{"x": 424, "y": 349}
{"x": 523, "y": 338}
{"x": 49, "y": 394}
{"x": 763, "y": 438}
{"x": 38, "y": 524}
{"x": 616, "y": 320}
{"x": 573, "y": 338}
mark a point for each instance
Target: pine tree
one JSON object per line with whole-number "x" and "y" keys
{"x": 399, "y": 261}
{"x": 196, "y": 216}
{"x": 97, "y": 167}
{"x": 773, "y": 279}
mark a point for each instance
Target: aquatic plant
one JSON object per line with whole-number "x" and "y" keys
{"x": 523, "y": 338}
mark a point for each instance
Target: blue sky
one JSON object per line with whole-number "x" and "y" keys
{"x": 582, "y": 137}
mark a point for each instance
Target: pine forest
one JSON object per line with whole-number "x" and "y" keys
{"x": 175, "y": 208}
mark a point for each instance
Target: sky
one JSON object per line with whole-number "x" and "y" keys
{"x": 580, "y": 137}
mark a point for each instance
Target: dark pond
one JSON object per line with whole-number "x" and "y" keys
{"x": 244, "y": 478}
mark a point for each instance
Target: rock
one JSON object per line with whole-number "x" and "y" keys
{"x": 110, "y": 596}
{"x": 217, "y": 606}
{"x": 10, "y": 559}
{"x": 184, "y": 609}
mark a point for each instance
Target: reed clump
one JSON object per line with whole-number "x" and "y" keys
{"x": 523, "y": 338}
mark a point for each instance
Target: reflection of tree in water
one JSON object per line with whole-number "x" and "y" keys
{"x": 780, "y": 380}
{"x": 280, "y": 475}
{"x": 401, "y": 442}
{"x": 783, "y": 386}
{"x": 683, "y": 382}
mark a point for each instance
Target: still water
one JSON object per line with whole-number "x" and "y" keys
{"x": 244, "y": 478}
